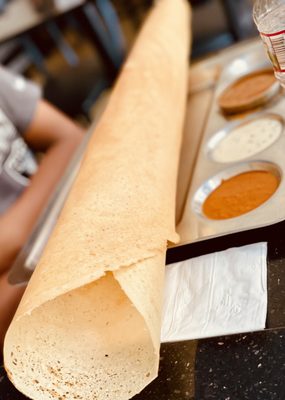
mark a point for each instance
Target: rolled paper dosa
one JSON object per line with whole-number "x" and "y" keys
{"x": 88, "y": 326}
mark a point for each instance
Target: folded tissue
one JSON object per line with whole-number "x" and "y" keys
{"x": 216, "y": 294}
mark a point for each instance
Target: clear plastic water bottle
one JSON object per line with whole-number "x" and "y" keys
{"x": 269, "y": 16}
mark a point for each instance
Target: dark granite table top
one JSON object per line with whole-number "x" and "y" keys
{"x": 239, "y": 367}
{"x": 236, "y": 367}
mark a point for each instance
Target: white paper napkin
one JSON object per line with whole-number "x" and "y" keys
{"x": 216, "y": 294}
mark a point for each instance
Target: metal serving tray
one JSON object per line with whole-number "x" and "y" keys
{"x": 209, "y": 173}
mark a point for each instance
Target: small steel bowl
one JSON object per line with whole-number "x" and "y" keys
{"x": 260, "y": 99}
{"x": 219, "y": 136}
{"x": 214, "y": 182}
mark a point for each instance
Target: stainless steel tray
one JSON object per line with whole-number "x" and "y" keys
{"x": 208, "y": 173}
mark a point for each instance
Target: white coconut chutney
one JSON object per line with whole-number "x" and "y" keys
{"x": 247, "y": 139}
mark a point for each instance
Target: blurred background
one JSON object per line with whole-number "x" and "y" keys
{"x": 74, "y": 48}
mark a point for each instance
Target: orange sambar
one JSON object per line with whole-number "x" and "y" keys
{"x": 240, "y": 194}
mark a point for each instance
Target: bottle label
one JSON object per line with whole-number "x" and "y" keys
{"x": 275, "y": 46}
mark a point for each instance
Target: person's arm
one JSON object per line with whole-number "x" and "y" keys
{"x": 53, "y": 133}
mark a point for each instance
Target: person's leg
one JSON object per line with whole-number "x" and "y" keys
{"x": 10, "y": 297}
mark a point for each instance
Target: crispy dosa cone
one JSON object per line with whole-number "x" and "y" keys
{"x": 88, "y": 326}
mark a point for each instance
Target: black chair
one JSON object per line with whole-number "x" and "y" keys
{"x": 220, "y": 23}
{"x": 14, "y": 57}
{"x": 77, "y": 86}
{"x": 78, "y": 82}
